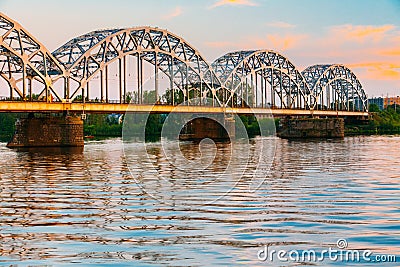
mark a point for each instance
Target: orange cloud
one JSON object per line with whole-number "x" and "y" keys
{"x": 175, "y": 13}
{"x": 233, "y": 3}
{"x": 391, "y": 52}
{"x": 361, "y": 33}
{"x": 378, "y": 70}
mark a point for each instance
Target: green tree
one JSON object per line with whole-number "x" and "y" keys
{"x": 175, "y": 96}
{"x": 374, "y": 108}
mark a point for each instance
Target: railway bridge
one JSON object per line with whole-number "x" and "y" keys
{"x": 151, "y": 70}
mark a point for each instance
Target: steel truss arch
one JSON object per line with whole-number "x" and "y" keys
{"x": 287, "y": 87}
{"x": 24, "y": 60}
{"x": 335, "y": 87}
{"x": 254, "y": 78}
{"x": 90, "y": 54}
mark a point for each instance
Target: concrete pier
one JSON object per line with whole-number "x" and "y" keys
{"x": 63, "y": 131}
{"x": 311, "y": 128}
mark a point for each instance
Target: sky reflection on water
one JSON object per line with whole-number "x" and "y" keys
{"x": 85, "y": 207}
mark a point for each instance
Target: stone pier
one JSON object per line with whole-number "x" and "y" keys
{"x": 63, "y": 131}
{"x": 200, "y": 128}
{"x": 311, "y": 128}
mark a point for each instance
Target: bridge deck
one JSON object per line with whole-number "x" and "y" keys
{"x": 25, "y": 107}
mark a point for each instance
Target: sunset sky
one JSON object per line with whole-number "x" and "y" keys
{"x": 362, "y": 34}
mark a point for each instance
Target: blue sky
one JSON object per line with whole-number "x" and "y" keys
{"x": 363, "y": 34}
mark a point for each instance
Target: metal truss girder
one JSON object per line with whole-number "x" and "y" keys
{"x": 236, "y": 66}
{"x": 23, "y": 58}
{"x": 342, "y": 80}
{"x": 89, "y": 54}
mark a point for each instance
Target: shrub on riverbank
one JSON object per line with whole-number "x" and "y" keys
{"x": 386, "y": 121}
{"x": 7, "y": 126}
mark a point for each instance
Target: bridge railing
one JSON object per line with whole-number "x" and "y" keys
{"x": 19, "y": 99}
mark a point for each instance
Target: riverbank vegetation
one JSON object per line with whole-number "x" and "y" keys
{"x": 7, "y": 126}
{"x": 112, "y": 125}
{"x": 101, "y": 126}
{"x": 385, "y": 121}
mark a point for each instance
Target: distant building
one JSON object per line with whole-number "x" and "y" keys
{"x": 391, "y": 101}
{"x": 379, "y": 101}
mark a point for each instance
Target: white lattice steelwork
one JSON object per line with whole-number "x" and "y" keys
{"x": 262, "y": 78}
{"x": 89, "y": 55}
{"x": 335, "y": 87}
{"x": 25, "y": 64}
{"x": 79, "y": 71}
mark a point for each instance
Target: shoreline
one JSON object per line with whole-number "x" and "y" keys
{"x": 347, "y": 134}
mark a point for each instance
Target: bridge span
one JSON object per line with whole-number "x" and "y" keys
{"x": 147, "y": 69}
{"x": 146, "y": 65}
{"x": 40, "y": 107}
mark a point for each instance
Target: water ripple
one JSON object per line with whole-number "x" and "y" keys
{"x": 60, "y": 207}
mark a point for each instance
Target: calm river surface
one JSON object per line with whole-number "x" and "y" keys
{"x": 89, "y": 207}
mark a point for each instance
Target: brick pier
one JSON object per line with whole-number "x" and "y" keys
{"x": 311, "y": 128}
{"x": 63, "y": 131}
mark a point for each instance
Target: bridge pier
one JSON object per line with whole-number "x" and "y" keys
{"x": 311, "y": 128}
{"x": 201, "y": 128}
{"x": 65, "y": 131}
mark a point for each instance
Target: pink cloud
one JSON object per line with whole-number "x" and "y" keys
{"x": 271, "y": 41}
{"x": 175, "y": 13}
{"x": 233, "y": 3}
{"x": 281, "y": 25}
{"x": 285, "y": 42}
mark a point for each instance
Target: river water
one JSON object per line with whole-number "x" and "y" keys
{"x": 102, "y": 207}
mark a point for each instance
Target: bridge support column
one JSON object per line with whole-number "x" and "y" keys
{"x": 311, "y": 128}
{"x": 201, "y": 128}
{"x": 62, "y": 131}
